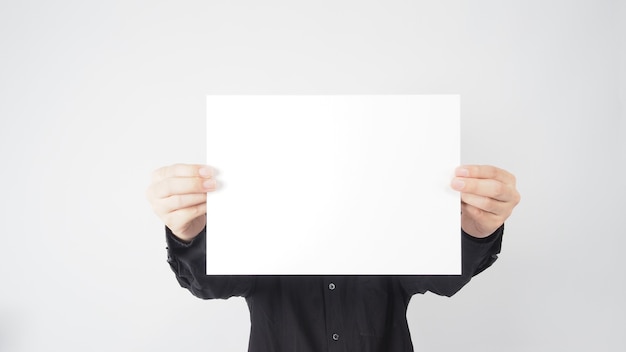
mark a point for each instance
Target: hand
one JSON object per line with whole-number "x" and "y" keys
{"x": 178, "y": 197}
{"x": 488, "y": 196}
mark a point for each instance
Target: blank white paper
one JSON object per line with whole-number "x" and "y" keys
{"x": 333, "y": 185}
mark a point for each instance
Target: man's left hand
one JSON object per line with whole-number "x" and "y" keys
{"x": 488, "y": 196}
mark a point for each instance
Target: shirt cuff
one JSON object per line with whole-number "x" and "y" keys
{"x": 491, "y": 238}
{"x": 175, "y": 242}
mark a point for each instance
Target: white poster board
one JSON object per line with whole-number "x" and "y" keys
{"x": 333, "y": 185}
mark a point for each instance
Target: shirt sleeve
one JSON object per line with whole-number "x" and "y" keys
{"x": 188, "y": 261}
{"x": 477, "y": 255}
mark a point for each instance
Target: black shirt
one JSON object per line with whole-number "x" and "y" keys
{"x": 326, "y": 313}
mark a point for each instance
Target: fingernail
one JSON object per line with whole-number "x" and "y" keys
{"x": 463, "y": 172}
{"x": 208, "y": 184}
{"x": 205, "y": 171}
{"x": 458, "y": 184}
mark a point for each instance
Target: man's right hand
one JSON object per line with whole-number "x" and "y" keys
{"x": 178, "y": 197}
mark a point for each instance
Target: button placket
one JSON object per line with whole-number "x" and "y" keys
{"x": 334, "y": 319}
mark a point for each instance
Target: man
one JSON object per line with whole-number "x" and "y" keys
{"x": 327, "y": 313}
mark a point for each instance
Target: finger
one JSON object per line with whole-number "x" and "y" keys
{"x": 179, "y": 201}
{"x": 476, "y": 221}
{"x": 480, "y": 217}
{"x": 472, "y": 211}
{"x": 485, "y": 172}
{"x": 182, "y": 170}
{"x": 181, "y": 218}
{"x": 484, "y": 187}
{"x": 182, "y": 185}
{"x": 485, "y": 204}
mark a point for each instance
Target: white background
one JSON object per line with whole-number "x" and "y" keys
{"x": 94, "y": 96}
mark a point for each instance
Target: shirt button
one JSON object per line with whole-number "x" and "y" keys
{"x": 331, "y": 286}
{"x": 336, "y": 337}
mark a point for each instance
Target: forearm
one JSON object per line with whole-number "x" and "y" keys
{"x": 477, "y": 255}
{"x": 188, "y": 261}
